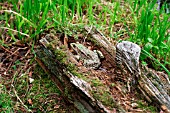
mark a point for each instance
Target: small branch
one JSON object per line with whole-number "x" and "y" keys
{"x": 20, "y": 99}
{"x": 15, "y": 31}
{"x": 88, "y": 33}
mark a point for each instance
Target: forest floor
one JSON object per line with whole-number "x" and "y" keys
{"x": 25, "y": 87}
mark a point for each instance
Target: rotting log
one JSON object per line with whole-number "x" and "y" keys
{"x": 78, "y": 92}
{"x": 153, "y": 88}
{"x": 102, "y": 41}
{"x": 75, "y": 90}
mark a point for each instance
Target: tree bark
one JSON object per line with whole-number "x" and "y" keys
{"x": 77, "y": 91}
{"x": 149, "y": 83}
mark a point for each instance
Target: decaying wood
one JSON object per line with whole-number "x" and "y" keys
{"x": 102, "y": 41}
{"x": 74, "y": 89}
{"x": 78, "y": 91}
{"x": 154, "y": 89}
{"x": 149, "y": 83}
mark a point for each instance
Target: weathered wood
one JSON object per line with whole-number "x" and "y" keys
{"x": 78, "y": 92}
{"x": 102, "y": 41}
{"x": 74, "y": 89}
{"x": 154, "y": 89}
{"x": 149, "y": 83}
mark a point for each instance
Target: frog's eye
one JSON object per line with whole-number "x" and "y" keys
{"x": 73, "y": 45}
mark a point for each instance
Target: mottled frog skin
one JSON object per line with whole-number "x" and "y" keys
{"x": 90, "y": 58}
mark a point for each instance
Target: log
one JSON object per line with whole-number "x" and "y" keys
{"x": 79, "y": 92}
{"x": 150, "y": 84}
{"x": 75, "y": 90}
{"x": 154, "y": 89}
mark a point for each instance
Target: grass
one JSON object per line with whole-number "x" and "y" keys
{"x": 146, "y": 107}
{"x": 137, "y": 21}
{"x": 29, "y": 19}
{"x": 151, "y": 33}
{"x": 5, "y": 101}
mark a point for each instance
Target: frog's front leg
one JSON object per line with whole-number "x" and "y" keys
{"x": 93, "y": 64}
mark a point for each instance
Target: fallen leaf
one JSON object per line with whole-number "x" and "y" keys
{"x": 56, "y": 106}
{"x": 31, "y": 80}
{"x": 30, "y": 74}
{"x": 30, "y": 101}
{"x": 66, "y": 40}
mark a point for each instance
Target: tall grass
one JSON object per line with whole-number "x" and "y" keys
{"x": 32, "y": 17}
{"x": 151, "y": 33}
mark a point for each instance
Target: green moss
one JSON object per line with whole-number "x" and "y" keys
{"x": 5, "y": 101}
{"x": 71, "y": 67}
{"x": 60, "y": 55}
{"x": 96, "y": 43}
{"x": 43, "y": 93}
{"x": 147, "y": 107}
{"x": 96, "y": 82}
{"x": 103, "y": 95}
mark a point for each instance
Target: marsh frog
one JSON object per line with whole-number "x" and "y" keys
{"x": 90, "y": 58}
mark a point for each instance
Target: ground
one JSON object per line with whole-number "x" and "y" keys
{"x": 25, "y": 87}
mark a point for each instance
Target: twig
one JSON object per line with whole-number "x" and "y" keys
{"x": 88, "y": 33}
{"x": 20, "y": 99}
{"x": 15, "y": 31}
{"x": 8, "y": 50}
{"x": 10, "y": 64}
{"x": 14, "y": 53}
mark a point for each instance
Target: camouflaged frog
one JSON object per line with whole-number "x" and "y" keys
{"x": 91, "y": 59}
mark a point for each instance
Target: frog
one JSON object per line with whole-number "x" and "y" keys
{"x": 91, "y": 59}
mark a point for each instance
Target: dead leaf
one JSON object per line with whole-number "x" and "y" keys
{"x": 66, "y": 40}
{"x": 80, "y": 63}
{"x": 30, "y": 74}
{"x": 56, "y": 106}
{"x": 30, "y": 101}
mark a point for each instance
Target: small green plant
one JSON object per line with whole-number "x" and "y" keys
{"x": 146, "y": 107}
{"x": 5, "y": 101}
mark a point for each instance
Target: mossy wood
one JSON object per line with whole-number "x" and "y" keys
{"x": 75, "y": 90}
{"x": 68, "y": 84}
{"x": 78, "y": 92}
